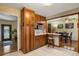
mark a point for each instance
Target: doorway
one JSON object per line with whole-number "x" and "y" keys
{"x": 6, "y": 32}
{"x": 68, "y": 29}
{"x": 49, "y": 28}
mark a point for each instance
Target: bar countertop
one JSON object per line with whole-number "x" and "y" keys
{"x": 48, "y": 34}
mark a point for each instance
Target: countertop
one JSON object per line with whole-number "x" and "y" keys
{"x": 40, "y": 34}
{"x": 56, "y": 34}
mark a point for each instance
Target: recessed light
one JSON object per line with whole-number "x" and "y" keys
{"x": 47, "y": 4}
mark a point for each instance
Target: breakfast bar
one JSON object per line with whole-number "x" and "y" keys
{"x": 42, "y": 38}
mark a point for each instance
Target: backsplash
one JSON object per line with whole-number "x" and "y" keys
{"x": 39, "y": 31}
{"x": 40, "y": 28}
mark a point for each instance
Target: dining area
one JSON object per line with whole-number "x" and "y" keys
{"x": 63, "y": 32}
{"x": 62, "y": 39}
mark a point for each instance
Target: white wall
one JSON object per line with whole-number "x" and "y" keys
{"x": 62, "y": 21}
{"x": 75, "y": 29}
{"x": 13, "y": 23}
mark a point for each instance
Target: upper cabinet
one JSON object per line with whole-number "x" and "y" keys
{"x": 42, "y": 18}
{"x": 38, "y": 18}
{"x": 28, "y": 17}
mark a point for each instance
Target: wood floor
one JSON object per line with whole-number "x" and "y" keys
{"x": 7, "y": 47}
{"x": 46, "y": 51}
{"x": 74, "y": 45}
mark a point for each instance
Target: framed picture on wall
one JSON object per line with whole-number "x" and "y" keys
{"x": 60, "y": 26}
{"x": 69, "y": 25}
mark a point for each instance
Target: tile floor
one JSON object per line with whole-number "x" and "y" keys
{"x": 46, "y": 51}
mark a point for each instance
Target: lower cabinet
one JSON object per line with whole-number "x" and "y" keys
{"x": 40, "y": 41}
{"x": 37, "y": 42}
{"x": 25, "y": 39}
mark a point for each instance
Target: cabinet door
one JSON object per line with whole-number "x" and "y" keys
{"x": 43, "y": 18}
{"x": 37, "y": 42}
{"x": 38, "y": 17}
{"x": 29, "y": 17}
{"x": 25, "y": 39}
{"x": 32, "y": 18}
{"x": 42, "y": 40}
{"x": 32, "y": 38}
{"x": 45, "y": 40}
{"x": 25, "y": 16}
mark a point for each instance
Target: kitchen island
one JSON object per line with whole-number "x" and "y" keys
{"x": 56, "y": 38}
{"x": 42, "y": 38}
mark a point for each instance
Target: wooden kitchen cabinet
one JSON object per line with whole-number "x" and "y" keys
{"x": 36, "y": 18}
{"x": 41, "y": 18}
{"x": 32, "y": 38}
{"x": 44, "y": 19}
{"x": 28, "y": 16}
{"x": 25, "y": 39}
{"x": 37, "y": 42}
{"x": 27, "y": 30}
{"x": 40, "y": 40}
{"x": 32, "y": 18}
{"x": 29, "y": 41}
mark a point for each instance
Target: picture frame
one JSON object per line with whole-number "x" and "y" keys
{"x": 60, "y": 26}
{"x": 69, "y": 25}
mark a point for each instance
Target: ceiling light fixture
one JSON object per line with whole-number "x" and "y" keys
{"x": 47, "y": 4}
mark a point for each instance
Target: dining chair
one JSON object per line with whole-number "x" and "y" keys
{"x": 50, "y": 40}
